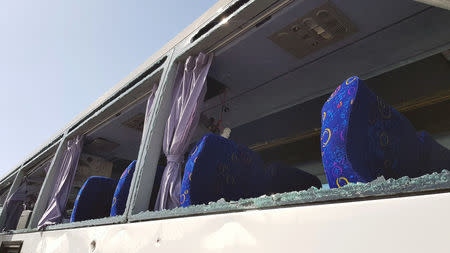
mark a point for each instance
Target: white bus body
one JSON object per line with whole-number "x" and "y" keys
{"x": 404, "y": 215}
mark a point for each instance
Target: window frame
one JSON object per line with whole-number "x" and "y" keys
{"x": 126, "y": 98}
{"x": 211, "y": 42}
{"x": 205, "y": 43}
{"x": 39, "y": 160}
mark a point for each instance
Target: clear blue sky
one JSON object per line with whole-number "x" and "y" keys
{"x": 57, "y": 57}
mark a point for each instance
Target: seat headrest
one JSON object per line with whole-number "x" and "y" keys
{"x": 94, "y": 199}
{"x": 364, "y": 138}
{"x": 219, "y": 168}
{"x": 123, "y": 188}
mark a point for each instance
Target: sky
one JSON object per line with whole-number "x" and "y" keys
{"x": 57, "y": 57}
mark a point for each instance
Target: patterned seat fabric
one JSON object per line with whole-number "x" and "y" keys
{"x": 94, "y": 199}
{"x": 119, "y": 200}
{"x": 218, "y": 168}
{"x": 364, "y": 138}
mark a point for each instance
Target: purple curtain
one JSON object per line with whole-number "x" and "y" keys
{"x": 189, "y": 93}
{"x": 63, "y": 183}
{"x": 14, "y": 204}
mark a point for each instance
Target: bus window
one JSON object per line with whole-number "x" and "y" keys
{"x": 99, "y": 179}
{"x": 3, "y": 195}
{"x": 21, "y": 202}
{"x": 106, "y": 166}
{"x": 262, "y": 131}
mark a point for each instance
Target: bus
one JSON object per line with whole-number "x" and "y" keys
{"x": 264, "y": 126}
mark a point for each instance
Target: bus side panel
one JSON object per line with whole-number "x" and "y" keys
{"x": 407, "y": 224}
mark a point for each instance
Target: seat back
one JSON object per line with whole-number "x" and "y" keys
{"x": 94, "y": 199}
{"x": 282, "y": 178}
{"x": 119, "y": 200}
{"x": 364, "y": 138}
{"x": 218, "y": 168}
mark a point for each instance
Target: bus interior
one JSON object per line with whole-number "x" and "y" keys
{"x": 269, "y": 87}
{"x": 269, "y": 93}
{"x": 109, "y": 153}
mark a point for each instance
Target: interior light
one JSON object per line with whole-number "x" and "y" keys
{"x": 224, "y": 20}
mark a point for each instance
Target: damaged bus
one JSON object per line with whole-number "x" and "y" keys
{"x": 266, "y": 125}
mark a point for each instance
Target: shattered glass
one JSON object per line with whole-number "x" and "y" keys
{"x": 378, "y": 188}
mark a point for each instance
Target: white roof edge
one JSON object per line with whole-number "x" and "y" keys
{"x": 217, "y": 7}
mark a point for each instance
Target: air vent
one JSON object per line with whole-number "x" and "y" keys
{"x": 136, "y": 122}
{"x": 228, "y": 12}
{"x": 319, "y": 28}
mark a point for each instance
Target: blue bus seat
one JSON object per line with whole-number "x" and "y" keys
{"x": 219, "y": 168}
{"x": 94, "y": 199}
{"x": 120, "y": 197}
{"x": 363, "y": 138}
